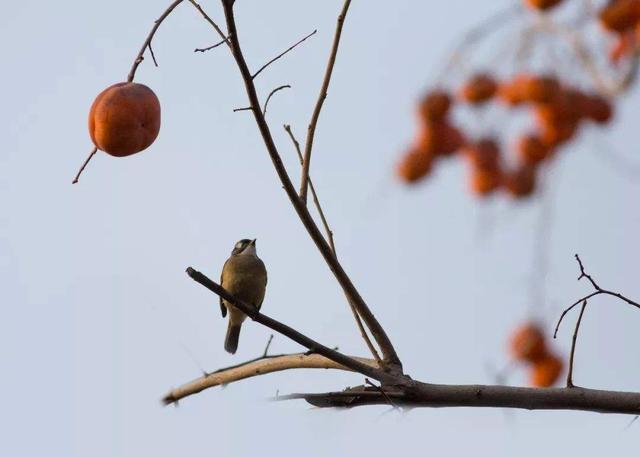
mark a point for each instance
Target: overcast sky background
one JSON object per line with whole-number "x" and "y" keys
{"x": 99, "y": 319}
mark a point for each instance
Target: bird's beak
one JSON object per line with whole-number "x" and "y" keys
{"x": 253, "y": 242}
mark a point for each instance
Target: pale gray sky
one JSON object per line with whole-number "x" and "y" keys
{"x": 99, "y": 319}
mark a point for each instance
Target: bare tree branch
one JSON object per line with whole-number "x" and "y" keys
{"x": 213, "y": 46}
{"x": 147, "y": 42}
{"x": 599, "y": 291}
{"x": 390, "y": 357}
{"x": 211, "y": 22}
{"x": 329, "y": 232}
{"x": 266, "y": 103}
{"x": 84, "y": 165}
{"x": 311, "y": 130}
{"x": 291, "y": 333}
{"x": 573, "y": 345}
{"x": 316, "y": 200}
{"x": 477, "y": 396}
{"x": 257, "y": 367}
{"x": 289, "y": 49}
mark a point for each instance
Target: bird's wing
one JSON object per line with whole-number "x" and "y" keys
{"x": 223, "y": 308}
{"x": 264, "y": 272}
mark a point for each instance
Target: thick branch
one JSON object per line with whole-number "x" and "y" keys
{"x": 434, "y": 395}
{"x": 390, "y": 357}
{"x": 291, "y": 333}
{"x": 257, "y": 367}
{"x": 311, "y": 130}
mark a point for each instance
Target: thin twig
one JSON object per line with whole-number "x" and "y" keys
{"x": 311, "y": 130}
{"x": 266, "y": 349}
{"x": 316, "y": 200}
{"x": 93, "y": 152}
{"x": 224, "y": 36}
{"x": 289, "y": 49}
{"x": 153, "y": 55}
{"x": 246, "y": 108}
{"x": 573, "y": 346}
{"x": 279, "y": 88}
{"x": 632, "y": 422}
{"x": 213, "y": 46}
{"x": 147, "y": 42}
{"x": 599, "y": 291}
{"x": 390, "y": 357}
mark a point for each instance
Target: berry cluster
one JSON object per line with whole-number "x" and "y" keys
{"x": 558, "y": 111}
{"x": 558, "y": 106}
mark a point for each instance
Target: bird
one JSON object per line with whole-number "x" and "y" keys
{"x": 245, "y": 277}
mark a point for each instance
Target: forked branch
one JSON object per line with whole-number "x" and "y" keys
{"x": 390, "y": 357}
{"x": 147, "y": 42}
{"x": 598, "y": 291}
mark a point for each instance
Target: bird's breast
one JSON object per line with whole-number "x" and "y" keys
{"x": 246, "y": 278}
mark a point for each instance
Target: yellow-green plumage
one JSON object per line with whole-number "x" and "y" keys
{"x": 244, "y": 276}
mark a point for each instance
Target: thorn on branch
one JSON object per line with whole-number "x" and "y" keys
{"x": 290, "y": 48}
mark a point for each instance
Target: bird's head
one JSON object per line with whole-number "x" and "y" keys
{"x": 244, "y": 247}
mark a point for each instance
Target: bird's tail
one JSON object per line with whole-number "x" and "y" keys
{"x": 231, "y": 340}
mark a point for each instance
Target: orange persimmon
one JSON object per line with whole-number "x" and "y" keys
{"x": 527, "y": 343}
{"x": 546, "y": 371}
{"x": 124, "y": 119}
{"x": 484, "y": 181}
{"x": 434, "y": 106}
{"x": 439, "y": 138}
{"x": 598, "y": 109}
{"x": 479, "y": 89}
{"x": 542, "y": 5}
{"x": 483, "y": 153}
{"x": 521, "y": 182}
{"x": 532, "y": 150}
{"x": 414, "y": 166}
{"x": 620, "y": 15}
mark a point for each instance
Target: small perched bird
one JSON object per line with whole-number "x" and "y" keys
{"x": 245, "y": 277}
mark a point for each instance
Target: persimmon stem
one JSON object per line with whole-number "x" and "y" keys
{"x": 84, "y": 165}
